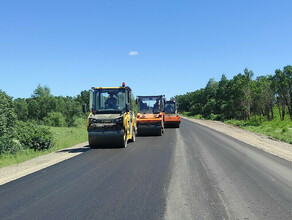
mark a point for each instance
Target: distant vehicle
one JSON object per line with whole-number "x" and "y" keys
{"x": 111, "y": 121}
{"x": 172, "y": 118}
{"x": 150, "y": 116}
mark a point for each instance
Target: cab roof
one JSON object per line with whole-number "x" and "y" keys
{"x": 104, "y": 88}
{"x": 151, "y": 96}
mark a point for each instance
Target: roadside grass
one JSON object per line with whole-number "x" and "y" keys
{"x": 63, "y": 137}
{"x": 189, "y": 115}
{"x": 280, "y": 130}
{"x": 67, "y": 137}
{"x": 276, "y": 128}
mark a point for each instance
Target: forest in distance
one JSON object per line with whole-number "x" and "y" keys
{"x": 242, "y": 97}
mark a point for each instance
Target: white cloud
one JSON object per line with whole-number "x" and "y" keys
{"x": 133, "y": 53}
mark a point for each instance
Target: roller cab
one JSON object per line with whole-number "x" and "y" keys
{"x": 111, "y": 122}
{"x": 172, "y": 118}
{"x": 150, "y": 116}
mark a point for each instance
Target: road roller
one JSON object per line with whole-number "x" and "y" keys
{"x": 172, "y": 118}
{"x": 111, "y": 122}
{"x": 150, "y": 116}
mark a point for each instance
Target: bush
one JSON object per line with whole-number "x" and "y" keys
{"x": 196, "y": 109}
{"x": 34, "y": 136}
{"x": 55, "y": 119}
{"x": 215, "y": 117}
{"x": 9, "y": 145}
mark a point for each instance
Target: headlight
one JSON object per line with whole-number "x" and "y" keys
{"x": 119, "y": 120}
{"x": 92, "y": 120}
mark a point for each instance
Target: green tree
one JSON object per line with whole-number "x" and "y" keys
{"x": 197, "y": 100}
{"x": 34, "y": 109}
{"x": 7, "y": 115}
{"x": 41, "y": 91}
{"x": 282, "y": 83}
{"x": 235, "y": 106}
{"x": 209, "y": 102}
{"x": 83, "y": 98}
{"x": 210, "y": 89}
{"x": 133, "y": 104}
{"x": 55, "y": 119}
{"x": 41, "y": 103}
{"x": 263, "y": 97}
{"x": 287, "y": 71}
{"x": 21, "y": 109}
{"x": 248, "y": 74}
{"x": 72, "y": 109}
{"x": 221, "y": 96}
{"x": 8, "y": 143}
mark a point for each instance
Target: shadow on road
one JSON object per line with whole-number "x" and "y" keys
{"x": 76, "y": 150}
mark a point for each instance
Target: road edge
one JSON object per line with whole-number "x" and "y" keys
{"x": 13, "y": 172}
{"x": 275, "y": 147}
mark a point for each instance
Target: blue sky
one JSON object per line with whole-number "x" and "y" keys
{"x": 71, "y": 46}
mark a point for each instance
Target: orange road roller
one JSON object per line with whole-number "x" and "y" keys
{"x": 150, "y": 116}
{"x": 172, "y": 118}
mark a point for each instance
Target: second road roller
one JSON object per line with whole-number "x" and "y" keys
{"x": 150, "y": 116}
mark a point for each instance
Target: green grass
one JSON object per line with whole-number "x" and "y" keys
{"x": 67, "y": 137}
{"x": 63, "y": 137}
{"x": 276, "y": 128}
{"x": 189, "y": 115}
{"x": 280, "y": 130}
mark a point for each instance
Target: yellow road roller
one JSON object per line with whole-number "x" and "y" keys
{"x": 111, "y": 121}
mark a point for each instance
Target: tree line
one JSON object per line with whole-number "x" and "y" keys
{"x": 24, "y": 121}
{"x": 44, "y": 108}
{"x": 242, "y": 97}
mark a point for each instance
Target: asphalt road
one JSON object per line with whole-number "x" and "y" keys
{"x": 189, "y": 173}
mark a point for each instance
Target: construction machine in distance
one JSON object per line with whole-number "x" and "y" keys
{"x": 172, "y": 118}
{"x": 150, "y": 116}
{"x": 111, "y": 121}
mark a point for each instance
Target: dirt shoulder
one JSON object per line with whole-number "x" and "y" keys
{"x": 275, "y": 147}
{"x": 14, "y": 172}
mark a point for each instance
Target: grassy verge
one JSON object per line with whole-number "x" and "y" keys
{"x": 189, "y": 115}
{"x": 277, "y": 129}
{"x": 281, "y": 130}
{"x": 63, "y": 137}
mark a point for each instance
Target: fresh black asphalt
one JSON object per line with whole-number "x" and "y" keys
{"x": 229, "y": 179}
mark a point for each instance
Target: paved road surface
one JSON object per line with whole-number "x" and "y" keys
{"x": 188, "y": 173}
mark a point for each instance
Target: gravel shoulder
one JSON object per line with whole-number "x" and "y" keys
{"x": 272, "y": 146}
{"x": 14, "y": 172}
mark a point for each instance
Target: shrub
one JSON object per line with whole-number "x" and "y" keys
{"x": 9, "y": 145}
{"x": 55, "y": 119}
{"x": 34, "y": 136}
{"x": 215, "y": 117}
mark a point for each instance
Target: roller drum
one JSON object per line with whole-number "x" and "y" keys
{"x": 110, "y": 138}
{"x": 149, "y": 130}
